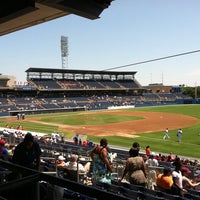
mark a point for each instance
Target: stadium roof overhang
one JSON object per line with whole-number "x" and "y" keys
{"x": 72, "y": 71}
{"x": 17, "y": 15}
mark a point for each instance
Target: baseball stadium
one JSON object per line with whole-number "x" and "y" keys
{"x": 58, "y": 106}
{"x": 100, "y": 104}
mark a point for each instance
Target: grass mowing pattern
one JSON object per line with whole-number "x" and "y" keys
{"x": 189, "y": 145}
{"x": 89, "y": 119}
{"x": 31, "y": 126}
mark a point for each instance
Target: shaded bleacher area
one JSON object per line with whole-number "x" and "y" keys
{"x": 50, "y": 184}
{"x": 89, "y": 102}
{"x": 53, "y": 84}
{"x": 92, "y": 102}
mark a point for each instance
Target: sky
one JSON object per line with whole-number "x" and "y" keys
{"x": 128, "y": 32}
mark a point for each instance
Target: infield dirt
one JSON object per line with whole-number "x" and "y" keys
{"x": 151, "y": 122}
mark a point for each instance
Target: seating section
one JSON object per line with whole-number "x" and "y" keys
{"x": 70, "y": 194}
{"x": 123, "y": 190}
{"x": 89, "y": 94}
{"x": 138, "y": 192}
{"x": 167, "y": 97}
{"x": 182, "y": 96}
{"x": 91, "y": 84}
{"x": 128, "y": 83}
{"x": 47, "y": 84}
{"x": 150, "y": 97}
{"x": 84, "y": 84}
{"x": 110, "y": 84}
{"x": 3, "y": 101}
{"x": 70, "y": 84}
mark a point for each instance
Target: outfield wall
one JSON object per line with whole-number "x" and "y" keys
{"x": 46, "y": 111}
{"x": 120, "y": 107}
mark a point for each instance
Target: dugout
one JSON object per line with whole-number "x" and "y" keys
{"x": 46, "y": 111}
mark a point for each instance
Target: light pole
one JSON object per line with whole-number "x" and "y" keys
{"x": 64, "y": 51}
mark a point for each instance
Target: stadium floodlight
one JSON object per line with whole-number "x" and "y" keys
{"x": 64, "y": 51}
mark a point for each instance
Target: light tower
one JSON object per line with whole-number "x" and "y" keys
{"x": 64, "y": 51}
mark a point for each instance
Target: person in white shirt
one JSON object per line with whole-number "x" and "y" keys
{"x": 178, "y": 178}
{"x": 179, "y": 134}
{"x": 166, "y": 134}
{"x": 151, "y": 161}
{"x": 73, "y": 169}
{"x": 73, "y": 165}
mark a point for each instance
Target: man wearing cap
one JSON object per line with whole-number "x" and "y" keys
{"x": 186, "y": 181}
{"x": 61, "y": 161}
{"x": 27, "y": 153}
{"x": 3, "y": 150}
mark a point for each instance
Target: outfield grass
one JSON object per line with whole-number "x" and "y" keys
{"x": 91, "y": 119}
{"x": 189, "y": 145}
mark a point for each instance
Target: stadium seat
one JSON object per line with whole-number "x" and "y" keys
{"x": 133, "y": 194}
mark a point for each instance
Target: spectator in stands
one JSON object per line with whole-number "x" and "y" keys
{"x": 187, "y": 183}
{"x": 62, "y": 139}
{"x": 158, "y": 156}
{"x": 178, "y": 178}
{"x": 151, "y": 161}
{"x": 36, "y": 137}
{"x": 90, "y": 143}
{"x": 170, "y": 157}
{"x": 74, "y": 165}
{"x": 85, "y": 143}
{"x": 58, "y": 138}
{"x": 9, "y": 148}
{"x": 102, "y": 167}
{"x": 53, "y": 137}
{"x": 43, "y": 140}
{"x": 135, "y": 167}
{"x": 164, "y": 180}
{"x": 3, "y": 149}
{"x": 60, "y": 162}
{"x": 80, "y": 142}
{"x": 74, "y": 170}
{"x": 163, "y": 158}
{"x": 27, "y": 153}
{"x": 75, "y": 139}
{"x": 148, "y": 150}
{"x": 197, "y": 163}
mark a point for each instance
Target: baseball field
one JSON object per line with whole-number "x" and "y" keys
{"x": 124, "y": 126}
